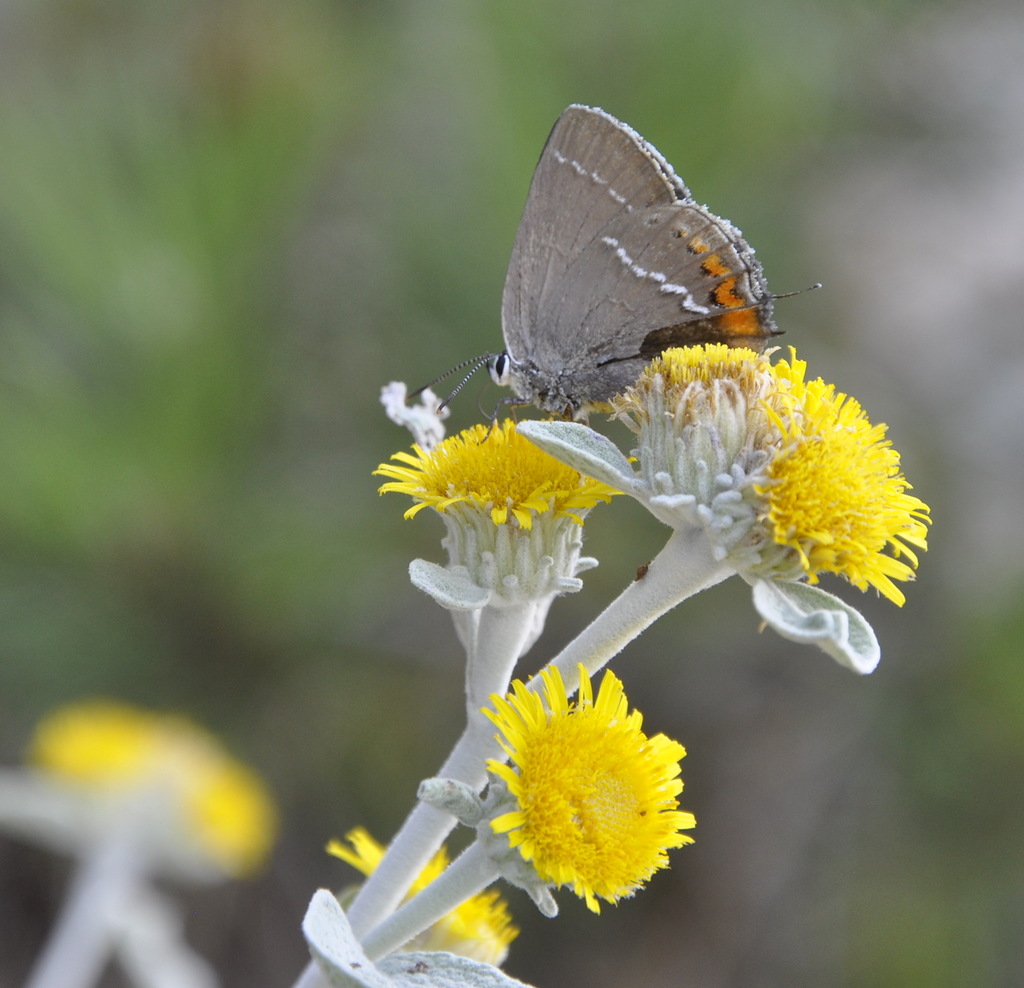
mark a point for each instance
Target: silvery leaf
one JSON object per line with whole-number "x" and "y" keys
{"x": 583, "y": 449}
{"x": 342, "y": 962}
{"x": 806, "y": 614}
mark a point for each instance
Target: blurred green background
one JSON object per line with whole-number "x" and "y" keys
{"x": 224, "y": 225}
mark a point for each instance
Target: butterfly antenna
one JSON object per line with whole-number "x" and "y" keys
{"x": 480, "y": 362}
{"x": 477, "y": 363}
{"x": 799, "y": 291}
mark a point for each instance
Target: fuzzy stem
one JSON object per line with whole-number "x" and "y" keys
{"x": 80, "y": 944}
{"x": 469, "y": 874}
{"x": 501, "y": 636}
{"x": 494, "y": 648}
{"x": 683, "y": 568}
{"x": 421, "y": 835}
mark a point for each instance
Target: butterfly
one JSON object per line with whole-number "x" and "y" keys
{"x": 614, "y": 262}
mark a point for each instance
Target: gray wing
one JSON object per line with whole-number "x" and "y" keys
{"x": 669, "y": 275}
{"x": 593, "y": 169}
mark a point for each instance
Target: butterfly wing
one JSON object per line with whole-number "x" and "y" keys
{"x": 613, "y": 263}
{"x": 593, "y": 168}
{"x": 672, "y": 275}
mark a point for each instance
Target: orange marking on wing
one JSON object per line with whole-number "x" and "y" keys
{"x": 742, "y": 323}
{"x": 713, "y": 267}
{"x": 697, "y": 246}
{"x": 726, "y": 295}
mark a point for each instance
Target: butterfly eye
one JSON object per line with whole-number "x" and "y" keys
{"x": 500, "y": 368}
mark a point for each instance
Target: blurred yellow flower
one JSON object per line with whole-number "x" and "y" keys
{"x": 480, "y": 928}
{"x": 111, "y": 749}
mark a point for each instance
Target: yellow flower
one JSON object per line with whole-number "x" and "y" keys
{"x": 110, "y": 749}
{"x": 98, "y": 743}
{"x": 232, "y": 814}
{"x": 790, "y": 477}
{"x": 835, "y": 494}
{"x": 697, "y": 412}
{"x": 480, "y": 928}
{"x": 494, "y": 470}
{"x": 674, "y": 371}
{"x": 595, "y": 797}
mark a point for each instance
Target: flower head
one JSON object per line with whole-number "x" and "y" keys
{"x": 513, "y": 516}
{"x": 491, "y": 469}
{"x": 788, "y": 477}
{"x": 480, "y": 928}
{"x": 214, "y": 806}
{"x": 593, "y": 798}
{"x": 698, "y": 413}
{"x": 834, "y": 492}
